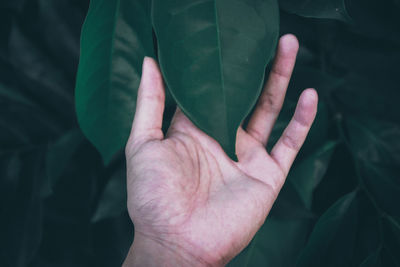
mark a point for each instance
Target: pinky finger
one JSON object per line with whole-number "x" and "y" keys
{"x": 286, "y": 149}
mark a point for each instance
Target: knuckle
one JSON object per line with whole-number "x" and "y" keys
{"x": 290, "y": 141}
{"x": 256, "y": 134}
{"x": 269, "y": 103}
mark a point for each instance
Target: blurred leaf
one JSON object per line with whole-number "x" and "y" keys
{"x": 209, "y": 52}
{"x": 113, "y": 199}
{"x": 59, "y": 155}
{"x": 21, "y": 212}
{"x": 38, "y": 74}
{"x": 331, "y": 9}
{"x": 333, "y": 238}
{"x": 289, "y": 205}
{"x": 374, "y": 141}
{"x": 8, "y": 95}
{"x": 383, "y": 183}
{"x": 376, "y": 96}
{"x": 375, "y": 19}
{"x": 391, "y": 239}
{"x": 373, "y": 260}
{"x": 112, "y": 239}
{"x": 115, "y": 38}
{"x": 277, "y": 243}
{"x": 69, "y": 209}
{"x": 306, "y": 175}
{"x": 376, "y": 146}
{"x": 23, "y": 123}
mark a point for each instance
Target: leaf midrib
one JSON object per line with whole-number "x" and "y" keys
{"x": 218, "y": 32}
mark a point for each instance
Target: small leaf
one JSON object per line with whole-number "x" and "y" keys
{"x": 113, "y": 199}
{"x": 213, "y": 56}
{"x": 116, "y": 36}
{"x": 330, "y": 9}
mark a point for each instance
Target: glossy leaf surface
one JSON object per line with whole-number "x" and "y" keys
{"x": 213, "y": 56}
{"x": 116, "y": 36}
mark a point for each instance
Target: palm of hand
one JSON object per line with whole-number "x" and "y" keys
{"x": 195, "y": 194}
{"x": 185, "y": 193}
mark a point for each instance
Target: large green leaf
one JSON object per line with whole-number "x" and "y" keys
{"x": 213, "y": 56}
{"x": 328, "y": 9}
{"x": 116, "y": 36}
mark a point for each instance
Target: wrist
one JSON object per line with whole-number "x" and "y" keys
{"x": 146, "y": 251}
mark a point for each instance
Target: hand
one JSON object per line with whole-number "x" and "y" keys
{"x": 189, "y": 202}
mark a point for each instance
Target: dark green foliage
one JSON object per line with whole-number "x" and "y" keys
{"x": 115, "y": 38}
{"x": 61, "y": 206}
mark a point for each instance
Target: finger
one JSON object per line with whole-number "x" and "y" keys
{"x": 271, "y": 99}
{"x": 245, "y": 146}
{"x": 293, "y": 137}
{"x": 150, "y": 103}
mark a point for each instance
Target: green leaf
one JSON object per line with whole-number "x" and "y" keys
{"x": 331, "y": 9}
{"x": 213, "y": 56}
{"x": 277, "y": 243}
{"x": 306, "y": 175}
{"x": 113, "y": 199}
{"x": 116, "y": 36}
{"x": 333, "y": 239}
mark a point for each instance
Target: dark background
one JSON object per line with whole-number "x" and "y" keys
{"x": 60, "y": 206}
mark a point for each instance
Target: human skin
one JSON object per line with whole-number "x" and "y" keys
{"x": 191, "y": 205}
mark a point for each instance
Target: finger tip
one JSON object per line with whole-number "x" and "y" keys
{"x": 150, "y": 70}
{"x": 289, "y": 43}
{"x": 311, "y": 94}
{"x": 309, "y": 100}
